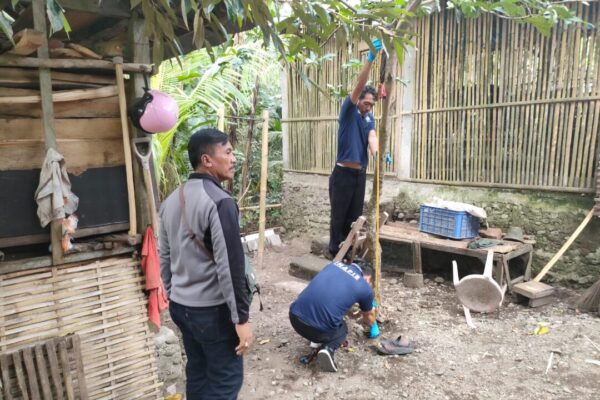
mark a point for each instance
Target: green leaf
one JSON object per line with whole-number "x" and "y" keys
{"x": 543, "y": 25}
{"x": 55, "y": 16}
{"x": 6, "y": 27}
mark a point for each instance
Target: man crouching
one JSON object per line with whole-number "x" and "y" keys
{"x": 318, "y": 312}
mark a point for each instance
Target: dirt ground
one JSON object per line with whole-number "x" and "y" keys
{"x": 500, "y": 359}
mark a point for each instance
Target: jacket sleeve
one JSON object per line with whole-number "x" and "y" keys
{"x": 165, "y": 255}
{"x": 229, "y": 259}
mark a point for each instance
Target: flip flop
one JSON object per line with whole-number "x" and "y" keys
{"x": 394, "y": 347}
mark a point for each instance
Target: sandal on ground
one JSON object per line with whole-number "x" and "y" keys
{"x": 395, "y": 347}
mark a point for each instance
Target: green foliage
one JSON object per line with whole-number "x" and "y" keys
{"x": 200, "y": 86}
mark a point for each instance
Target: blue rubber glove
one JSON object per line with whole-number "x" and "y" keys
{"x": 374, "y": 332}
{"x": 377, "y": 44}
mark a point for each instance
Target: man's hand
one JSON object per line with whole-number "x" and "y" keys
{"x": 377, "y": 44}
{"x": 244, "y": 332}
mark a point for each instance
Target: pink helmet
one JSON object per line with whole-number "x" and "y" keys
{"x": 154, "y": 112}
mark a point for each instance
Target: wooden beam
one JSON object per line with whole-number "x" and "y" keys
{"x": 46, "y": 261}
{"x": 69, "y": 63}
{"x": 39, "y": 24}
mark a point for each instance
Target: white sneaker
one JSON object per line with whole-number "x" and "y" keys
{"x": 314, "y": 345}
{"x": 325, "y": 361}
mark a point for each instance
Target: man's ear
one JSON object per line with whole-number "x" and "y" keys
{"x": 205, "y": 160}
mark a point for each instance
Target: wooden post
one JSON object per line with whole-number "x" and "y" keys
{"x": 118, "y": 61}
{"x": 264, "y": 163}
{"x": 139, "y": 48}
{"x": 39, "y": 24}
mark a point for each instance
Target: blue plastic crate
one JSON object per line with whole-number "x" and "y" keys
{"x": 448, "y": 223}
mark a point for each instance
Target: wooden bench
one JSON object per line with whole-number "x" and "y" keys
{"x": 405, "y": 233}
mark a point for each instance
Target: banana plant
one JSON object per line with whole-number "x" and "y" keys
{"x": 201, "y": 85}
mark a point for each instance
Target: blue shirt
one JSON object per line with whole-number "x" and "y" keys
{"x": 329, "y": 296}
{"x": 353, "y": 134}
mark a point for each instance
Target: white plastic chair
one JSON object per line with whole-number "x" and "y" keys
{"x": 480, "y": 293}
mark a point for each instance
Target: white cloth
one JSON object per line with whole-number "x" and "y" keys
{"x": 53, "y": 195}
{"x": 456, "y": 206}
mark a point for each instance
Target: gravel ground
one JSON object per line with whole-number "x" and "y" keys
{"x": 500, "y": 359}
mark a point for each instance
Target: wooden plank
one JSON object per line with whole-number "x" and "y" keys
{"x": 53, "y": 63}
{"x": 42, "y": 369}
{"x": 61, "y": 96}
{"x": 79, "y": 154}
{"x": 27, "y": 130}
{"x": 31, "y": 373}
{"x": 55, "y": 368}
{"x": 66, "y": 368}
{"x": 17, "y": 75}
{"x": 5, "y": 363}
{"x": 83, "y": 393}
{"x": 18, "y": 364}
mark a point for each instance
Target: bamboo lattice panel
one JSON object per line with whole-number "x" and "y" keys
{"x": 498, "y": 103}
{"x": 52, "y": 367}
{"x": 313, "y": 116}
{"x": 104, "y": 303}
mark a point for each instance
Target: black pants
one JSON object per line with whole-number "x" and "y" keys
{"x": 213, "y": 370}
{"x": 332, "y": 339}
{"x": 347, "y": 197}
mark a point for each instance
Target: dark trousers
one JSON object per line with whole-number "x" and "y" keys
{"x": 213, "y": 370}
{"x": 347, "y": 197}
{"x": 332, "y": 339}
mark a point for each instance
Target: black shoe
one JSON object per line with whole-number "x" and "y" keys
{"x": 325, "y": 360}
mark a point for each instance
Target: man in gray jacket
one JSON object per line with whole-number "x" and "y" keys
{"x": 202, "y": 267}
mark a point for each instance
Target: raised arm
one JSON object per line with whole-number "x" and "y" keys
{"x": 363, "y": 76}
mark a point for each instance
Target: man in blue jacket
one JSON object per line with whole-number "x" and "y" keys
{"x": 318, "y": 312}
{"x": 356, "y": 135}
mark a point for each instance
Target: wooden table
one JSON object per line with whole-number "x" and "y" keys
{"x": 402, "y": 232}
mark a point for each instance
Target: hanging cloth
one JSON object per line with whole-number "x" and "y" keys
{"x": 53, "y": 195}
{"x": 157, "y": 297}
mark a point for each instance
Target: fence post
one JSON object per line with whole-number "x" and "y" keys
{"x": 264, "y": 163}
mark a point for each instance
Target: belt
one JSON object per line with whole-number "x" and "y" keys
{"x": 350, "y": 169}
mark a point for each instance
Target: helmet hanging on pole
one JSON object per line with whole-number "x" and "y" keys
{"x": 155, "y": 111}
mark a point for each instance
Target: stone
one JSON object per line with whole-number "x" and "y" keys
{"x": 438, "y": 279}
{"x": 320, "y": 246}
{"x": 168, "y": 355}
{"x": 306, "y": 267}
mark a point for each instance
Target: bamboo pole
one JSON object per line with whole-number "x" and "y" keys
{"x": 264, "y": 164}
{"x": 118, "y": 65}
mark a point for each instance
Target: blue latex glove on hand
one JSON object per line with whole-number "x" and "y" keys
{"x": 377, "y": 44}
{"x": 374, "y": 332}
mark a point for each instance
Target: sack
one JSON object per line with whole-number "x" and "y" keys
{"x": 251, "y": 282}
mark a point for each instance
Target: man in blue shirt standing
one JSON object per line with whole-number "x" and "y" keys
{"x": 318, "y": 312}
{"x": 356, "y": 134}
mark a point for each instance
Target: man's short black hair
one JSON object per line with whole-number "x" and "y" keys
{"x": 365, "y": 266}
{"x": 368, "y": 90}
{"x": 202, "y": 142}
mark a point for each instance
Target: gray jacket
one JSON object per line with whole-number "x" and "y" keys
{"x": 191, "y": 277}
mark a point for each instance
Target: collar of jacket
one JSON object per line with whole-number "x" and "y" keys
{"x": 197, "y": 175}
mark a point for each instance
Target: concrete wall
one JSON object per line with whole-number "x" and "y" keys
{"x": 550, "y": 217}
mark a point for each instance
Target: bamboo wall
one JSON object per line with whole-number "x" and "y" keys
{"x": 102, "y": 301}
{"x": 495, "y": 104}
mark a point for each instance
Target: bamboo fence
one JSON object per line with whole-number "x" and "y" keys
{"x": 101, "y": 301}
{"x": 496, "y": 104}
